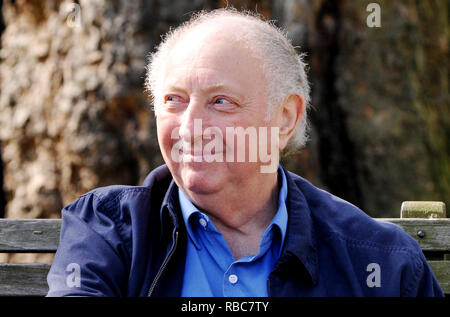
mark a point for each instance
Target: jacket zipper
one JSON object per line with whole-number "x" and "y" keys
{"x": 161, "y": 270}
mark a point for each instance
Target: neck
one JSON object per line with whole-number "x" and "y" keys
{"x": 242, "y": 214}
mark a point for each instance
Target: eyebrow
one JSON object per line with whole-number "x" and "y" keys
{"x": 212, "y": 88}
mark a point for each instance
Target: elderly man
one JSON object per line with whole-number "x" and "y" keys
{"x": 222, "y": 218}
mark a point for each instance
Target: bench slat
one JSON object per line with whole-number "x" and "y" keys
{"x": 42, "y": 235}
{"x": 23, "y": 279}
{"x": 29, "y": 235}
{"x": 437, "y": 232}
{"x": 30, "y": 279}
{"x": 441, "y": 270}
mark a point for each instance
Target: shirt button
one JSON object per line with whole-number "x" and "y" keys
{"x": 233, "y": 279}
{"x": 203, "y": 222}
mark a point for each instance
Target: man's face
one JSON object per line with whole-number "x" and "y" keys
{"x": 210, "y": 83}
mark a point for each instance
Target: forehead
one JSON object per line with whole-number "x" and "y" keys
{"x": 214, "y": 52}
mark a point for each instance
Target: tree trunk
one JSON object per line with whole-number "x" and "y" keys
{"x": 73, "y": 115}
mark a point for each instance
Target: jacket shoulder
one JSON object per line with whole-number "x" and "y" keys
{"x": 107, "y": 198}
{"x": 360, "y": 244}
{"x": 338, "y": 217}
{"x": 117, "y": 208}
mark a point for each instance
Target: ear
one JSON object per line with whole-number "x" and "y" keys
{"x": 291, "y": 111}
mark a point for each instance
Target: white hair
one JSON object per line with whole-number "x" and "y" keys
{"x": 285, "y": 70}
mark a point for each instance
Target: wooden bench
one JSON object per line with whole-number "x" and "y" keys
{"x": 429, "y": 227}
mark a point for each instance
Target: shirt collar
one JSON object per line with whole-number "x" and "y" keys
{"x": 189, "y": 211}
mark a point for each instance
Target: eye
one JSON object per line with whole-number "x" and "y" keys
{"x": 174, "y": 103}
{"x": 221, "y": 101}
{"x": 172, "y": 98}
{"x": 223, "y": 104}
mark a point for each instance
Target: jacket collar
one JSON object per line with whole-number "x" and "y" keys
{"x": 300, "y": 241}
{"x": 161, "y": 181}
{"x": 171, "y": 207}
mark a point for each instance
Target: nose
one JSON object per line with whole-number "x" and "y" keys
{"x": 191, "y": 122}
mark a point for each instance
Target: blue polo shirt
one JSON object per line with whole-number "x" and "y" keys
{"x": 210, "y": 268}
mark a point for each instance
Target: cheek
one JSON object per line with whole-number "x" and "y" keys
{"x": 164, "y": 128}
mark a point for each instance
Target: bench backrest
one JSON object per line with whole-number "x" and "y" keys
{"x": 27, "y": 236}
{"x": 42, "y": 236}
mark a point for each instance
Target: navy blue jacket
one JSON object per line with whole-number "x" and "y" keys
{"x": 131, "y": 241}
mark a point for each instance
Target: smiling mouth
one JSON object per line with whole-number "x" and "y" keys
{"x": 201, "y": 154}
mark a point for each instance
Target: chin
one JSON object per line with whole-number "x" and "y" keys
{"x": 201, "y": 180}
